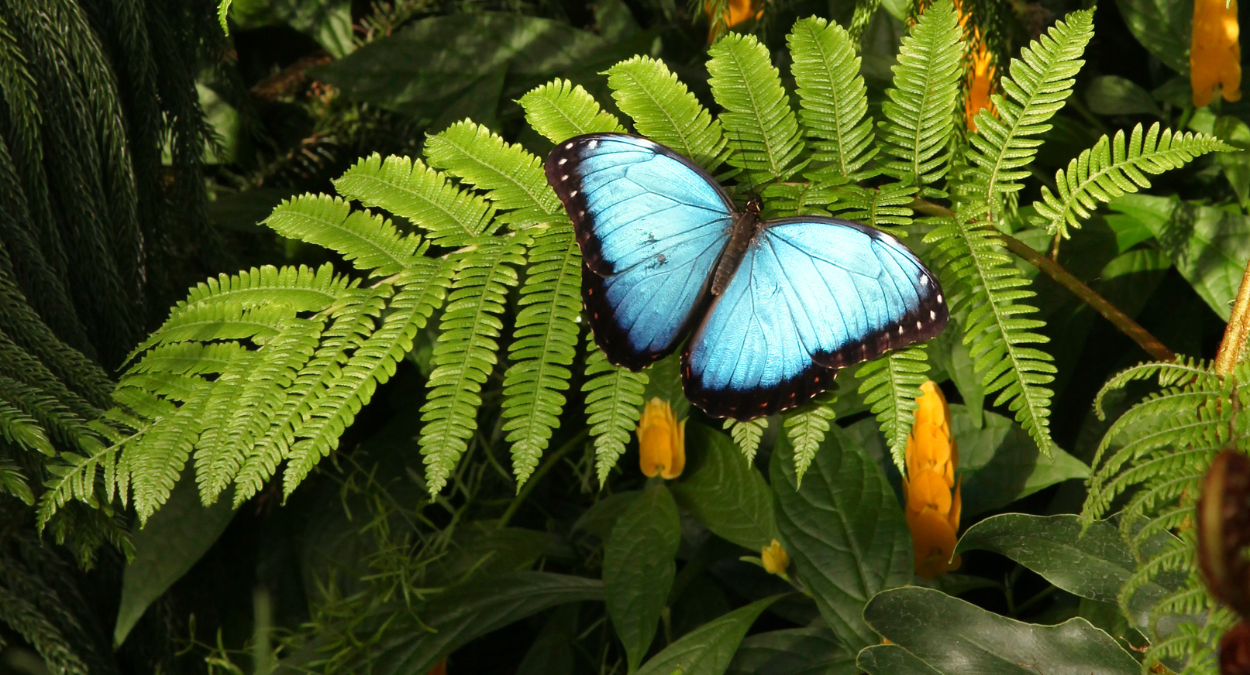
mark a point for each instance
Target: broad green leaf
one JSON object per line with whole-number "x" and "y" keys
{"x": 328, "y": 22}
{"x": 603, "y": 514}
{"x": 1208, "y": 245}
{"x": 726, "y": 493}
{"x": 957, "y": 638}
{"x": 175, "y": 537}
{"x": 795, "y": 651}
{"x": 1163, "y": 27}
{"x": 708, "y": 649}
{"x": 482, "y": 549}
{"x": 465, "y": 613}
{"x": 424, "y": 67}
{"x": 552, "y": 651}
{"x": 999, "y": 463}
{"x": 844, "y": 531}
{"x": 1115, "y": 95}
{"x": 893, "y": 660}
{"x": 638, "y": 569}
{"x": 1236, "y": 165}
{"x": 1094, "y": 564}
{"x": 664, "y": 382}
{"x": 951, "y": 354}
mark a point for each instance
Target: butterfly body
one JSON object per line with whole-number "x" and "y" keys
{"x": 772, "y": 308}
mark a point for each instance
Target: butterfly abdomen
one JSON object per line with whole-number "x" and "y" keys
{"x": 745, "y": 225}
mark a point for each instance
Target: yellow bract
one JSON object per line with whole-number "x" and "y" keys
{"x": 738, "y": 12}
{"x": 932, "y": 510}
{"x": 775, "y": 558}
{"x": 661, "y": 440}
{"x": 1215, "y": 54}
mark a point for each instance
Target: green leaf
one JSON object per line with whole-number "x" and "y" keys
{"x": 639, "y": 567}
{"x": 665, "y": 111}
{"x": 1208, "y": 245}
{"x": 889, "y": 386}
{"x": 664, "y": 383}
{"x": 223, "y": 10}
{"x": 747, "y": 434}
{"x": 952, "y": 355}
{"x": 1236, "y": 165}
{"x": 834, "y": 110}
{"x": 1112, "y": 169}
{"x": 1115, "y": 95}
{"x": 893, "y": 660}
{"x": 795, "y": 651}
{"x": 165, "y": 549}
{"x": 999, "y": 464}
{"x": 920, "y": 107}
{"x": 1163, "y": 27}
{"x": 807, "y": 428}
{"x": 707, "y": 650}
{"x": 956, "y": 637}
{"x": 613, "y": 405}
{"x": 552, "y": 651}
{"x": 726, "y": 493}
{"x": 1092, "y": 562}
{"x": 844, "y": 531}
{"x": 434, "y": 61}
{"x": 559, "y": 111}
{"x": 465, "y": 613}
{"x": 758, "y": 119}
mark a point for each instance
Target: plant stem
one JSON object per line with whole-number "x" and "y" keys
{"x": 1055, "y": 271}
{"x": 550, "y": 461}
{"x": 1235, "y": 333}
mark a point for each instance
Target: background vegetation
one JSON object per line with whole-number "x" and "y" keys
{"x": 375, "y": 436}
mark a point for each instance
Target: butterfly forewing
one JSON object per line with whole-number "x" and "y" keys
{"x": 651, "y": 226}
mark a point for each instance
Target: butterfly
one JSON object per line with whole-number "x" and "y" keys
{"x": 773, "y": 308}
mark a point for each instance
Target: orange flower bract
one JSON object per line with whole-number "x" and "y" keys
{"x": 932, "y": 511}
{"x": 738, "y": 12}
{"x": 1215, "y": 53}
{"x": 661, "y": 441}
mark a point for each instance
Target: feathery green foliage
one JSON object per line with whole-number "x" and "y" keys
{"x": 1111, "y": 169}
{"x": 834, "y": 110}
{"x": 920, "y": 110}
{"x": 890, "y": 386}
{"x": 664, "y": 110}
{"x": 747, "y": 434}
{"x": 806, "y": 430}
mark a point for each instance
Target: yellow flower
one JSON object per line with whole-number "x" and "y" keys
{"x": 980, "y": 80}
{"x": 661, "y": 440}
{"x": 932, "y": 510}
{"x": 775, "y": 558}
{"x": 1215, "y": 53}
{"x": 738, "y": 12}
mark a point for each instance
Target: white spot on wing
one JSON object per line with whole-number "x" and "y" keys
{"x": 564, "y": 177}
{"x": 924, "y": 281}
{"x": 932, "y": 315}
{"x": 919, "y": 325}
{"x": 563, "y": 160}
{"x": 573, "y": 193}
{"x": 939, "y": 297}
{"x": 568, "y": 146}
{"x": 900, "y": 330}
{"x": 594, "y": 144}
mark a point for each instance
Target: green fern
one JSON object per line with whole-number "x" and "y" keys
{"x": 1111, "y": 169}
{"x": 920, "y": 110}
{"x": 889, "y": 387}
{"x": 559, "y": 111}
{"x": 665, "y": 111}
{"x": 613, "y": 406}
{"x": 747, "y": 434}
{"x": 806, "y": 430}
{"x": 834, "y": 110}
{"x": 758, "y": 120}
{"x": 465, "y": 354}
{"x": 1039, "y": 83}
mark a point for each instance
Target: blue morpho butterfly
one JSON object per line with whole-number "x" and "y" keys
{"x": 776, "y": 307}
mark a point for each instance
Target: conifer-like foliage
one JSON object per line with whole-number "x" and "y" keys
{"x": 260, "y": 372}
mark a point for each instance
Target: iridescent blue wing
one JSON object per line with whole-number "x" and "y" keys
{"x": 651, "y": 225}
{"x": 810, "y": 296}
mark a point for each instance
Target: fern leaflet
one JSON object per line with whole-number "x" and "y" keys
{"x": 889, "y": 386}
{"x": 806, "y": 431}
{"x": 613, "y": 405}
{"x": 666, "y": 112}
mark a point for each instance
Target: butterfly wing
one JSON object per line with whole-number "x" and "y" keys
{"x": 810, "y": 296}
{"x": 651, "y": 225}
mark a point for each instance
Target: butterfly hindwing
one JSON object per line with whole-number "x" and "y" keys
{"x": 811, "y": 295}
{"x": 651, "y": 226}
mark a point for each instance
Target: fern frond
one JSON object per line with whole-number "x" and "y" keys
{"x": 512, "y": 178}
{"x": 260, "y": 397}
{"x": 332, "y": 406}
{"x": 988, "y": 290}
{"x": 543, "y": 348}
{"x": 758, "y": 120}
{"x": 48, "y": 412}
{"x": 1040, "y": 82}
{"x": 806, "y": 430}
{"x": 13, "y": 481}
{"x": 151, "y": 464}
{"x": 834, "y": 99}
{"x": 352, "y": 324}
{"x": 880, "y": 207}
{"x": 16, "y": 426}
{"x": 1113, "y": 168}
{"x": 465, "y": 353}
{"x": 301, "y": 288}
{"x": 666, "y": 112}
{"x": 369, "y": 242}
{"x": 747, "y": 434}
{"x": 560, "y": 111}
{"x": 220, "y": 322}
{"x": 920, "y": 107}
{"x": 613, "y": 405}
{"x": 889, "y": 387}
{"x": 1196, "y": 371}
{"x": 424, "y": 197}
